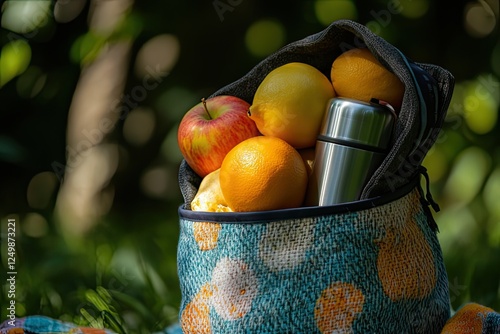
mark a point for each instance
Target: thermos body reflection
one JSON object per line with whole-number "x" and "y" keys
{"x": 352, "y": 143}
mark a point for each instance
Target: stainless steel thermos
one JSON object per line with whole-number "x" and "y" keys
{"x": 352, "y": 143}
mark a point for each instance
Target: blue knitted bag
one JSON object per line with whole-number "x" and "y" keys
{"x": 371, "y": 266}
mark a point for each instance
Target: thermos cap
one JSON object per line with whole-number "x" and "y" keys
{"x": 360, "y": 123}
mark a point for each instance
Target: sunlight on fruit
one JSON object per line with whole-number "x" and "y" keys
{"x": 139, "y": 126}
{"x": 457, "y": 227}
{"x": 35, "y": 225}
{"x": 25, "y": 16}
{"x": 491, "y": 194}
{"x": 158, "y": 55}
{"x": 467, "y": 176}
{"x": 481, "y": 104}
{"x": 413, "y": 9}
{"x": 14, "y": 60}
{"x": 41, "y": 190}
{"x": 328, "y": 11}
{"x": 264, "y": 37}
{"x": 479, "y": 19}
{"x": 436, "y": 164}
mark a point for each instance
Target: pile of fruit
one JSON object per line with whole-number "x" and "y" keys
{"x": 259, "y": 157}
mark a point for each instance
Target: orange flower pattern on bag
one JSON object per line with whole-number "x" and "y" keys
{"x": 405, "y": 262}
{"x": 196, "y": 316}
{"x": 206, "y": 234}
{"x": 337, "y": 308}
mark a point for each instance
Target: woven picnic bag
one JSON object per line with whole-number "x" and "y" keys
{"x": 370, "y": 266}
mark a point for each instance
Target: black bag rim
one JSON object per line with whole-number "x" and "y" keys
{"x": 257, "y": 217}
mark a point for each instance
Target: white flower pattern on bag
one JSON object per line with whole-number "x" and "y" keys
{"x": 234, "y": 286}
{"x": 284, "y": 246}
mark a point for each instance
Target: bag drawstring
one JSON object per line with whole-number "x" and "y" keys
{"x": 427, "y": 200}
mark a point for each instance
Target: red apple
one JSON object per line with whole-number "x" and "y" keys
{"x": 211, "y": 129}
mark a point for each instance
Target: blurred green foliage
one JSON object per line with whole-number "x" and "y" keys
{"x": 122, "y": 275}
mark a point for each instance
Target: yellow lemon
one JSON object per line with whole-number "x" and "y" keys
{"x": 290, "y": 102}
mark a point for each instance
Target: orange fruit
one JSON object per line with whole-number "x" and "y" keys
{"x": 468, "y": 319}
{"x": 263, "y": 173}
{"x": 357, "y": 74}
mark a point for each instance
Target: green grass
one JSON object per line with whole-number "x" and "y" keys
{"x": 122, "y": 276}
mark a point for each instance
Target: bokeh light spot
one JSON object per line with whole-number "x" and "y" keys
{"x": 494, "y": 233}
{"x": 491, "y": 193}
{"x": 40, "y": 190}
{"x": 139, "y": 126}
{"x": 66, "y": 11}
{"x": 467, "y": 176}
{"x": 35, "y": 225}
{"x": 25, "y": 16}
{"x": 456, "y": 107}
{"x": 495, "y": 59}
{"x": 382, "y": 29}
{"x": 86, "y": 47}
{"x": 159, "y": 54}
{"x": 457, "y": 226}
{"x": 14, "y": 60}
{"x": 328, "y": 11}
{"x": 31, "y": 82}
{"x": 436, "y": 164}
{"x": 479, "y": 19}
{"x": 159, "y": 182}
{"x": 414, "y": 9}
{"x": 481, "y": 104}
{"x": 170, "y": 148}
{"x": 264, "y": 37}
{"x": 175, "y": 102}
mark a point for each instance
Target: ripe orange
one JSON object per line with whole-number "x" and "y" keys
{"x": 263, "y": 173}
{"x": 357, "y": 74}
